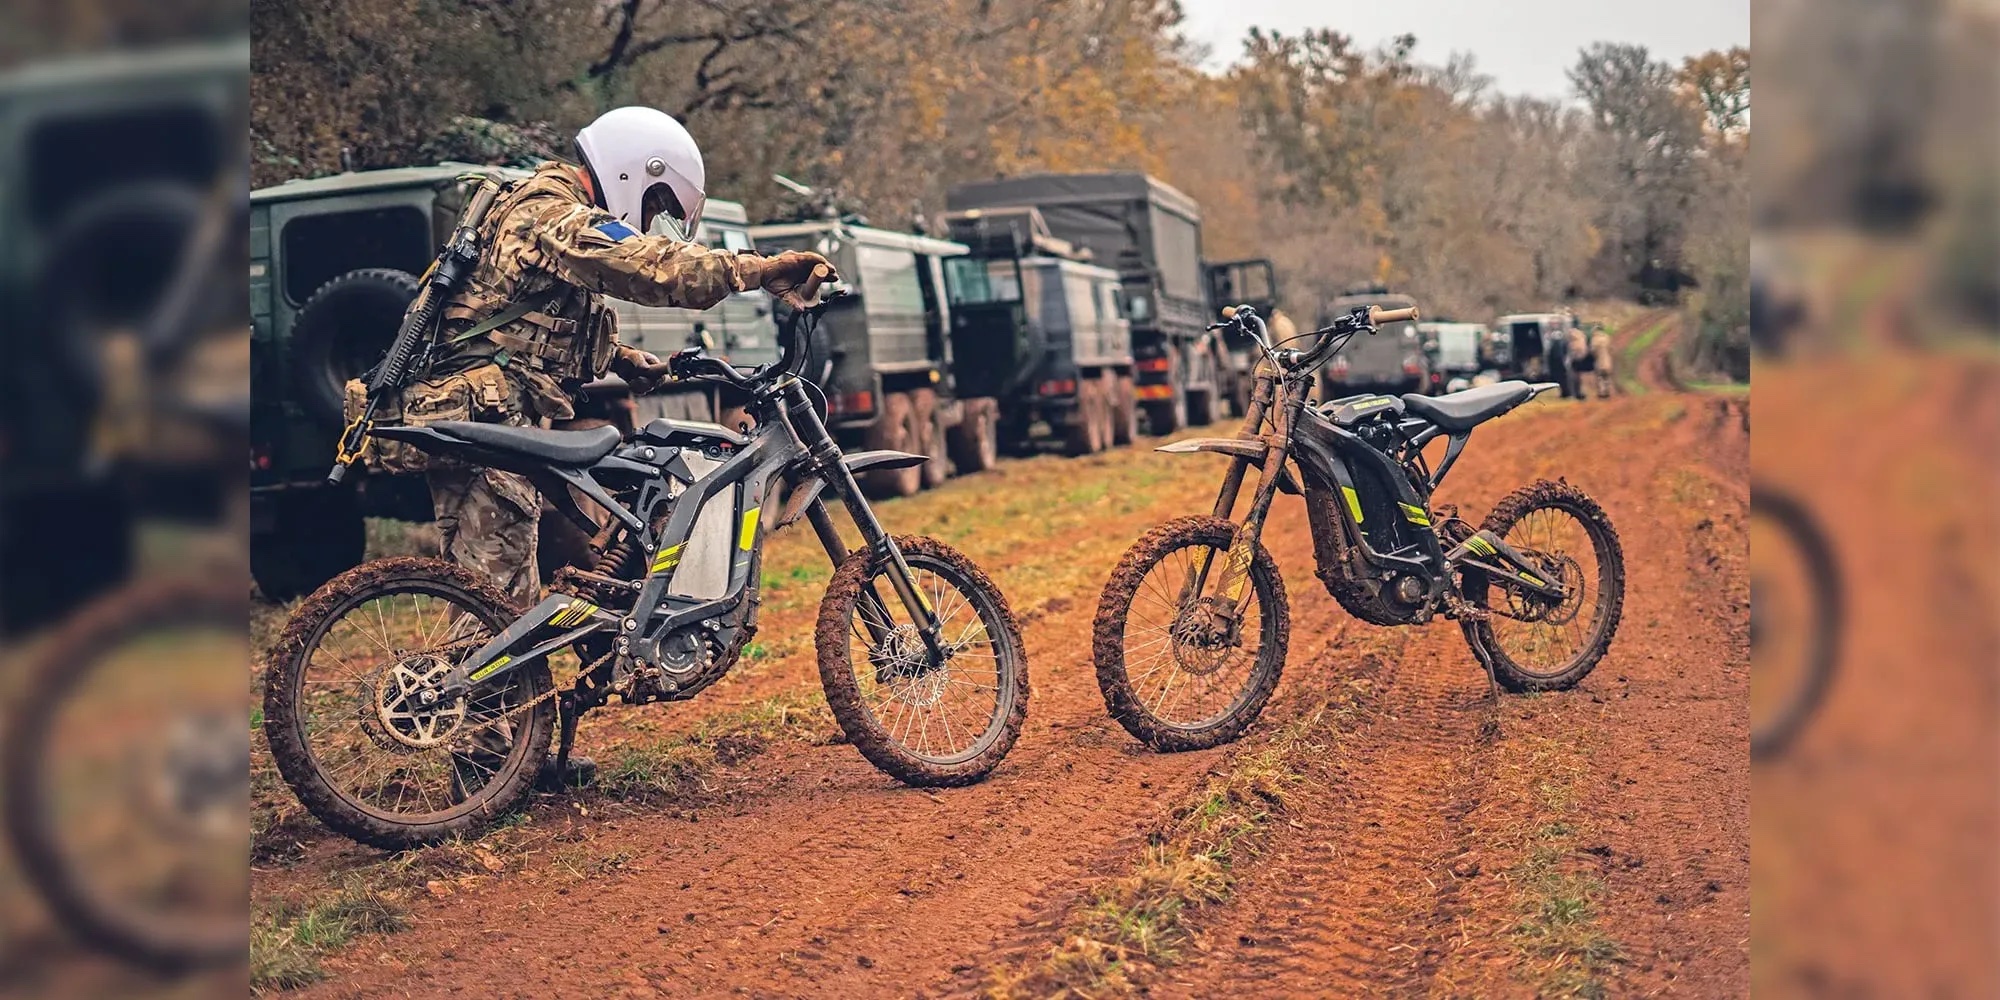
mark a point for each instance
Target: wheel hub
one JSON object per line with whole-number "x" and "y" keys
{"x": 408, "y": 712}
{"x": 1201, "y": 636}
{"x": 902, "y": 661}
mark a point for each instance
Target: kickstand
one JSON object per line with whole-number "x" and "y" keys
{"x": 1485, "y": 658}
{"x": 566, "y": 713}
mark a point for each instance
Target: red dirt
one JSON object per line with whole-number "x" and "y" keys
{"x": 812, "y": 874}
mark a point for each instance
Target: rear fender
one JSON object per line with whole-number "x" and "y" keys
{"x": 857, "y": 462}
{"x": 1250, "y": 450}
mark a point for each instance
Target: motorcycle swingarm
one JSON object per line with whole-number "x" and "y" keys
{"x": 560, "y": 620}
{"x": 1489, "y": 553}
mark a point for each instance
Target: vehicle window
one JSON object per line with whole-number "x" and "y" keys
{"x": 889, "y": 280}
{"x": 972, "y": 281}
{"x": 318, "y": 248}
{"x": 1117, "y": 300}
{"x": 718, "y": 238}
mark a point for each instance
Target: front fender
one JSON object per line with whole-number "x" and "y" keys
{"x": 1248, "y": 449}
{"x": 858, "y": 462}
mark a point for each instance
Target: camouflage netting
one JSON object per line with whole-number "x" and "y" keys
{"x": 480, "y": 140}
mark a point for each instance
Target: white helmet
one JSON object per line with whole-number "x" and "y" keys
{"x": 645, "y": 164}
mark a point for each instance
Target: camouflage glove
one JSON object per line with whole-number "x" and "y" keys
{"x": 789, "y": 273}
{"x": 640, "y": 369}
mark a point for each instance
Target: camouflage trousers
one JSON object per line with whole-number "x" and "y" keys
{"x": 487, "y": 522}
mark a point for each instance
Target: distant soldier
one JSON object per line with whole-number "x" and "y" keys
{"x": 531, "y": 323}
{"x": 1600, "y": 353}
{"x": 1580, "y": 358}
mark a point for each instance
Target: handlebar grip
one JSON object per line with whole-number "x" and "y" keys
{"x": 1378, "y": 315}
{"x": 808, "y": 291}
{"x": 1228, "y": 312}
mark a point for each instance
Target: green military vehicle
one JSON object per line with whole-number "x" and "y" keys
{"x": 333, "y": 264}
{"x": 1150, "y": 234}
{"x": 1041, "y": 330}
{"x": 885, "y": 360}
{"x": 107, "y": 166}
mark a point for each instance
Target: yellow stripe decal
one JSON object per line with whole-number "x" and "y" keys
{"x": 486, "y": 671}
{"x": 668, "y": 558}
{"x": 1414, "y": 514}
{"x": 1353, "y": 502}
{"x": 747, "y": 536}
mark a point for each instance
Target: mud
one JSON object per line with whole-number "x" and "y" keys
{"x": 806, "y": 872}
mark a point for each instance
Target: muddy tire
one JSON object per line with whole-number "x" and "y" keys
{"x": 928, "y": 438}
{"x": 1124, "y": 411}
{"x": 1124, "y": 695}
{"x": 1605, "y": 607}
{"x": 285, "y": 703}
{"x": 1169, "y": 416}
{"x": 891, "y": 432}
{"x": 105, "y": 916}
{"x": 1801, "y": 539}
{"x": 975, "y": 442}
{"x": 886, "y": 741}
{"x": 1086, "y": 435}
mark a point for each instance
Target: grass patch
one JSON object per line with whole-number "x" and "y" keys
{"x": 1139, "y": 921}
{"x": 286, "y": 945}
{"x": 1628, "y": 359}
{"x": 681, "y": 765}
{"x": 1565, "y": 952}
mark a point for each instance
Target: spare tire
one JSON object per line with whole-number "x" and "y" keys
{"x": 341, "y": 332}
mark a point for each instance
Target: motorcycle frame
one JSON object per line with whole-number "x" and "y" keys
{"x": 790, "y": 440}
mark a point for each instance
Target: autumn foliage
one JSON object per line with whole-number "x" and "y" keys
{"x": 1342, "y": 163}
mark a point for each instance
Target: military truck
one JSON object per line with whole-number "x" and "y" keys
{"x": 1391, "y": 360}
{"x": 1457, "y": 352}
{"x": 1522, "y": 347}
{"x": 1150, "y": 234}
{"x": 1041, "y": 330}
{"x": 884, "y": 355}
{"x": 1245, "y": 283}
{"x": 333, "y": 264}
{"x": 107, "y": 165}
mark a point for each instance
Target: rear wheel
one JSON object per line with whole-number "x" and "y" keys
{"x": 1536, "y": 645}
{"x": 1794, "y": 620}
{"x": 1124, "y": 411}
{"x": 351, "y": 712}
{"x": 891, "y": 432}
{"x": 975, "y": 442}
{"x": 928, "y": 438}
{"x": 1175, "y": 671}
{"x": 126, "y": 777}
{"x": 924, "y": 721}
{"x": 1085, "y": 434}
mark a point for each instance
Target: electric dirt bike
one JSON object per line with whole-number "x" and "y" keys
{"x": 1192, "y": 627}
{"x": 407, "y": 701}
{"x": 1795, "y": 614}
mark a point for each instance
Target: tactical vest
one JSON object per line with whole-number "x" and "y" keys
{"x": 516, "y": 310}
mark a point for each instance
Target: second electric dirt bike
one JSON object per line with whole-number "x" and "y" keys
{"x": 1192, "y": 627}
{"x": 407, "y": 701}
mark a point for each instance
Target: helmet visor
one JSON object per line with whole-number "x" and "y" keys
{"x": 661, "y": 211}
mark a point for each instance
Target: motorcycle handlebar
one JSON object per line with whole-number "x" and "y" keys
{"x": 693, "y": 364}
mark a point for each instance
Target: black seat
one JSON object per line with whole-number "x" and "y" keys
{"x": 553, "y": 447}
{"x": 1459, "y": 412}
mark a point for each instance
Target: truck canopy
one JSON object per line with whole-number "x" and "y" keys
{"x": 1128, "y": 221}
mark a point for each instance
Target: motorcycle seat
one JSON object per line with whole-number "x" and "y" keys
{"x": 553, "y": 447}
{"x": 1459, "y": 412}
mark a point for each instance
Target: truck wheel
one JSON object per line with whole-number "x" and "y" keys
{"x": 315, "y": 534}
{"x": 1165, "y": 418}
{"x": 1239, "y": 396}
{"x": 342, "y": 331}
{"x": 891, "y": 432}
{"x": 928, "y": 438}
{"x": 1201, "y": 407}
{"x": 975, "y": 442}
{"x": 1084, "y": 436}
{"x": 1124, "y": 411}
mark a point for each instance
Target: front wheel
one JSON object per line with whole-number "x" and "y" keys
{"x": 1180, "y": 670}
{"x": 1538, "y": 645}
{"x": 354, "y": 717}
{"x": 924, "y": 720}
{"x": 1795, "y": 603}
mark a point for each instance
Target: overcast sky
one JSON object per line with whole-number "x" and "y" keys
{"x": 1523, "y": 44}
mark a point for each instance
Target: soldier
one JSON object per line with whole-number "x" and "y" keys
{"x": 531, "y": 323}
{"x": 1580, "y": 358}
{"x": 1600, "y": 352}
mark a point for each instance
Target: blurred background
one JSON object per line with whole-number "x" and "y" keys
{"x": 123, "y": 410}
{"x": 1874, "y": 471}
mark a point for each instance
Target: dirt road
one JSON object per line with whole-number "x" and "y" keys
{"x": 1410, "y": 860}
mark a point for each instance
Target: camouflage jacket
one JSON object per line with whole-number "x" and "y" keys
{"x": 548, "y": 247}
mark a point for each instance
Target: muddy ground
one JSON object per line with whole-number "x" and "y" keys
{"x": 1594, "y": 842}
